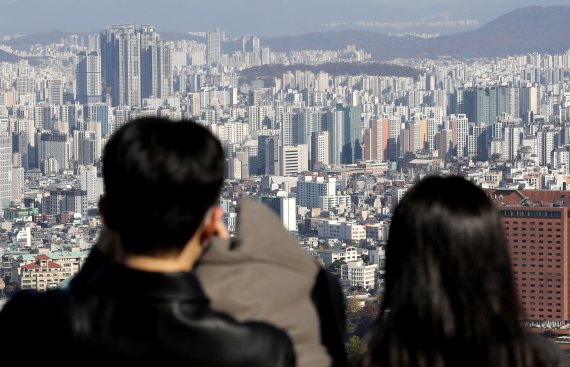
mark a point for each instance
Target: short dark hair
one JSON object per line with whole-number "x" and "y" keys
{"x": 161, "y": 177}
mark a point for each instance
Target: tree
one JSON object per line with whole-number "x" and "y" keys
{"x": 353, "y": 306}
{"x": 335, "y": 266}
{"x": 355, "y": 348}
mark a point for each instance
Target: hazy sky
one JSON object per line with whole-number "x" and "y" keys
{"x": 261, "y": 17}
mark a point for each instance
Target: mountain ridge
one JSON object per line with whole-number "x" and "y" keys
{"x": 8, "y": 57}
{"x": 524, "y": 30}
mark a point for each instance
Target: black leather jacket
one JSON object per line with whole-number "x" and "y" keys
{"x": 125, "y": 315}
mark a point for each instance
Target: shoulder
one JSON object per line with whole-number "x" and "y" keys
{"x": 25, "y": 301}
{"x": 28, "y": 312}
{"x": 252, "y": 343}
{"x": 28, "y": 305}
{"x": 272, "y": 343}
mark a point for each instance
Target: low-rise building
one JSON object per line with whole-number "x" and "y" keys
{"x": 359, "y": 274}
{"x": 47, "y": 270}
{"x": 41, "y": 274}
{"x": 346, "y": 230}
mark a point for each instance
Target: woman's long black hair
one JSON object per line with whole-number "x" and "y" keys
{"x": 449, "y": 297}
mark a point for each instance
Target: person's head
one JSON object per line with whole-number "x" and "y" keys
{"x": 161, "y": 180}
{"x": 449, "y": 288}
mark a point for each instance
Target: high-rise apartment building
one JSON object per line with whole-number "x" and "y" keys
{"x": 243, "y": 157}
{"x": 89, "y": 182}
{"x": 94, "y": 42}
{"x": 319, "y": 149}
{"x": 5, "y": 169}
{"x": 18, "y": 183}
{"x": 288, "y": 123}
{"x": 214, "y": 47}
{"x": 85, "y": 147}
{"x": 263, "y": 141}
{"x": 335, "y": 123}
{"x": 414, "y": 136}
{"x": 309, "y": 188}
{"x": 99, "y": 113}
{"x": 88, "y": 77}
{"x": 392, "y": 142}
{"x": 352, "y": 134}
{"x": 149, "y": 61}
{"x": 252, "y": 45}
{"x": 53, "y": 145}
{"x": 529, "y": 102}
{"x": 68, "y": 114}
{"x": 58, "y": 201}
{"x": 121, "y": 58}
{"x": 459, "y": 132}
{"x": 21, "y": 146}
{"x": 156, "y": 64}
{"x": 55, "y": 92}
{"x": 270, "y": 156}
{"x": 376, "y": 140}
{"x": 512, "y": 137}
{"x": 293, "y": 159}
{"x": 484, "y": 104}
{"x": 43, "y": 115}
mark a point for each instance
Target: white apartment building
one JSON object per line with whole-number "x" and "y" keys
{"x": 329, "y": 256}
{"x": 90, "y": 183}
{"x": 310, "y": 188}
{"x": 320, "y": 192}
{"x": 359, "y": 274}
{"x": 293, "y": 159}
{"x": 326, "y": 203}
{"x": 349, "y": 231}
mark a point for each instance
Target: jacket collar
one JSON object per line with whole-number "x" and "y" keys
{"x": 118, "y": 280}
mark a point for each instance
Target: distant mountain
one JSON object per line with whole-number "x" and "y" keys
{"x": 8, "y": 57}
{"x": 268, "y": 72}
{"x": 24, "y": 42}
{"x": 340, "y": 39}
{"x": 529, "y": 29}
{"x": 174, "y": 36}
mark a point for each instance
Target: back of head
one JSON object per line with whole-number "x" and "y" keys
{"x": 449, "y": 297}
{"x": 161, "y": 177}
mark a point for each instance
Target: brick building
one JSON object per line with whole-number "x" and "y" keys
{"x": 537, "y": 230}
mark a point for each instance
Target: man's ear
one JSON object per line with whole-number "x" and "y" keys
{"x": 211, "y": 223}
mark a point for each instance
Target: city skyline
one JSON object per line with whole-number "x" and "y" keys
{"x": 330, "y": 152}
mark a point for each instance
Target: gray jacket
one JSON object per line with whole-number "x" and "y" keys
{"x": 265, "y": 275}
